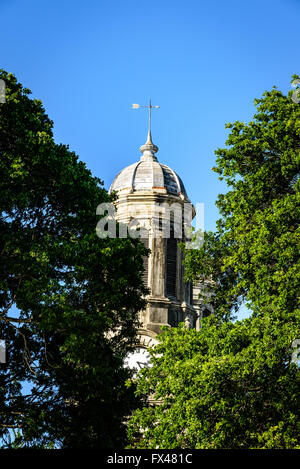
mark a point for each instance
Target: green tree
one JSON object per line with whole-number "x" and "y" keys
{"x": 229, "y": 385}
{"x": 234, "y": 384}
{"x": 254, "y": 254}
{"x": 76, "y": 295}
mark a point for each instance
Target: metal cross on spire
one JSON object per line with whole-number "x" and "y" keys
{"x": 150, "y": 107}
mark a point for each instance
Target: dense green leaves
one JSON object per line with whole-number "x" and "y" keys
{"x": 227, "y": 386}
{"x": 76, "y": 296}
{"x": 254, "y": 255}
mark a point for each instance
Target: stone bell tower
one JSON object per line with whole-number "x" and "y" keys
{"x": 152, "y": 197}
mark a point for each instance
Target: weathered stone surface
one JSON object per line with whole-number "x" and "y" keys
{"x": 149, "y": 188}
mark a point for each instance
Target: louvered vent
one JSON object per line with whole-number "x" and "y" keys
{"x": 171, "y": 264}
{"x": 145, "y": 242}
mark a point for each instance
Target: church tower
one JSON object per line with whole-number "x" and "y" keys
{"x": 152, "y": 197}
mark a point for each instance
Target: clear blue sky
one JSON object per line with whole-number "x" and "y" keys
{"x": 203, "y": 62}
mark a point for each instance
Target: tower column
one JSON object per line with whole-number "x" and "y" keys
{"x": 154, "y": 195}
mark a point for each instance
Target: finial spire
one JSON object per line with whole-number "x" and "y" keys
{"x": 148, "y": 149}
{"x": 149, "y": 132}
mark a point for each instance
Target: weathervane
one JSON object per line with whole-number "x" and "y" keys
{"x": 137, "y": 106}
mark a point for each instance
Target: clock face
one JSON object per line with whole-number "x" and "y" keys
{"x": 137, "y": 359}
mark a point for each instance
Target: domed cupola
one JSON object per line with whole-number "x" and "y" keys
{"x": 151, "y": 195}
{"x": 149, "y": 174}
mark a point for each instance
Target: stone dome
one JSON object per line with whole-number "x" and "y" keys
{"x": 149, "y": 174}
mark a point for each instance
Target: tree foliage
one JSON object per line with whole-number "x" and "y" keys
{"x": 234, "y": 384}
{"x": 230, "y": 385}
{"x": 254, "y": 254}
{"x": 76, "y": 296}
